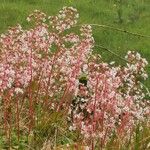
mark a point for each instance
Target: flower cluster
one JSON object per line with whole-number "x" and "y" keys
{"x": 132, "y": 74}
{"x": 108, "y": 103}
{"x": 66, "y": 18}
{"x": 40, "y": 65}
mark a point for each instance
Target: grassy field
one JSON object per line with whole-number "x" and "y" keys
{"x": 135, "y": 17}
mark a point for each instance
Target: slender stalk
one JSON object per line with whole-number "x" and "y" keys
{"x": 102, "y": 47}
{"x": 96, "y": 89}
{"x": 30, "y": 95}
{"x": 17, "y": 118}
{"x": 117, "y": 29}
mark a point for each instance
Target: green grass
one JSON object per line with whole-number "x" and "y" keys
{"x": 136, "y": 18}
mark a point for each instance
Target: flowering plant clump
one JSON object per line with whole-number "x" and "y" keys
{"x": 52, "y": 67}
{"x": 111, "y": 101}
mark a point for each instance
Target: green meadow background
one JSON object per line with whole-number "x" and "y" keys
{"x": 134, "y": 14}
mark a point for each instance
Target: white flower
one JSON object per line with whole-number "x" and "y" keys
{"x": 112, "y": 63}
{"x": 18, "y": 90}
{"x": 86, "y": 148}
{"x": 72, "y": 128}
{"x": 148, "y": 145}
{"x": 28, "y": 19}
{"x": 138, "y": 56}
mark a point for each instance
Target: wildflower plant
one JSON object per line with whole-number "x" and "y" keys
{"x": 48, "y": 68}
